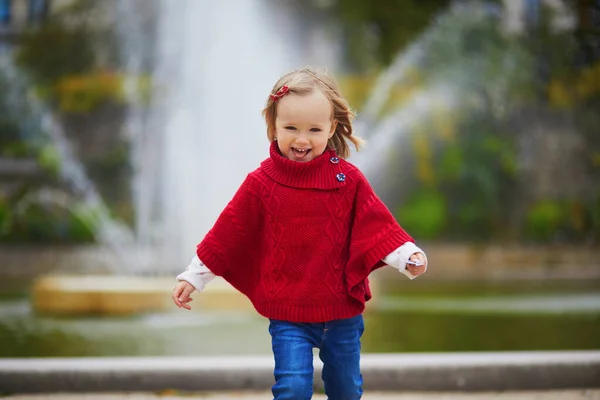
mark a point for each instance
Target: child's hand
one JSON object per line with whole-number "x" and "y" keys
{"x": 417, "y": 270}
{"x": 181, "y": 295}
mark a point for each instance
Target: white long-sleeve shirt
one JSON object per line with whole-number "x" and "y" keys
{"x": 198, "y": 275}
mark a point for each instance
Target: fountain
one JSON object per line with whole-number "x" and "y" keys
{"x": 190, "y": 153}
{"x": 449, "y": 80}
{"x": 204, "y": 131}
{"x": 89, "y": 292}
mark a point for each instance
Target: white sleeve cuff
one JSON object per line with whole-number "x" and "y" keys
{"x": 398, "y": 258}
{"x": 196, "y": 274}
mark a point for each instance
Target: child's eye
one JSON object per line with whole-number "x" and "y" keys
{"x": 315, "y": 129}
{"x": 290, "y": 128}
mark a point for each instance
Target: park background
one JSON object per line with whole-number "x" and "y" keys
{"x": 126, "y": 125}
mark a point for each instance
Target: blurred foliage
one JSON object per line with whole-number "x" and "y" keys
{"x": 544, "y": 219}
{"x": 465, "y": 149}
{"x": 13, "y": 130}
{"x": 55, "y": 50}
{"x": 71, "y": 63}
{"x": 48, "y": 337}
{"x": 11, "y": 144}
{"x": 576, "y": 88}
{"x": 32, "y": 219}
{"x": 376, "y": 30}
{"x": 424, "y": 214}
{"x": 49, "y": 159}
{"x": 72, "y": 58}
{"x": 66, "y": 43}
{"x": 5, "y": 218}
{"x": 109, "y": 164}
{"x": 84, "y": 93}
{"x": 81, "y": 93}
{"x": 26, "y": 217}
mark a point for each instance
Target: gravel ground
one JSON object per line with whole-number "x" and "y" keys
{"x": 529, "y": 395}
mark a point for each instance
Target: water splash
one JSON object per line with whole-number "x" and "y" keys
{"x": 214, "y": 67}
{"x": 137, "y": 34}
{"x": 446, "y": 72}
{"x": 395, "y": 74}
{"x": 392, "y": 131}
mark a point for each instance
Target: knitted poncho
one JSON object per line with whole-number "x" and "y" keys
{"x": 299, "y": 239}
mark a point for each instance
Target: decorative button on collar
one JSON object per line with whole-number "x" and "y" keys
{"x": 341, "y": 177}
{"x": 334, "y": 160}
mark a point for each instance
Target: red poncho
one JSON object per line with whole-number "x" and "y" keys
{"x": 299, "y": 239}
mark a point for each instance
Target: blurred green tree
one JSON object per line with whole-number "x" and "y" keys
{"x": 473, "y": 158}
{"x": 376, "y": 30}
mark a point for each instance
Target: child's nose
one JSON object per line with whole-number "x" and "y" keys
{"x": 302, "y": 139}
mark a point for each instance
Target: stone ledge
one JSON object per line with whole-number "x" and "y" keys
{"x": 125, "y": 295}
{"x": 384, "y": 372}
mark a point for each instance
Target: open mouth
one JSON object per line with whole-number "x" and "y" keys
{"x": 300, "y": 153}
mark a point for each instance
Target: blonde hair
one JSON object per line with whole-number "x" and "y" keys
{"x": 304, "y": 81}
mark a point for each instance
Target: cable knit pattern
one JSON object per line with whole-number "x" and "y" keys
{"x": 299, "y": 239}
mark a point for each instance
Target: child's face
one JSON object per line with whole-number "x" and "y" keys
{"x": 303, "y": 125}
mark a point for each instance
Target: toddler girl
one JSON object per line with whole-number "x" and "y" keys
{"x": 300, "y": 238}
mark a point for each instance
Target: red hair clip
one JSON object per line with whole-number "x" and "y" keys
{"x": 280, "y": 93}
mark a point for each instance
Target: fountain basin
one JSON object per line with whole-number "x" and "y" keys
{"x": 104, "y": 294}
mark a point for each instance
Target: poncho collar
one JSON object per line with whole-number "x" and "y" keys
{"x": 324, "y": 172}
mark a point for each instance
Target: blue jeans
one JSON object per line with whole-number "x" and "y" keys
{"x": 338, "y": 342}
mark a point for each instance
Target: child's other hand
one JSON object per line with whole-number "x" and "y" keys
{"x": 181, "y": 295}
{"x": 417, "y": 270}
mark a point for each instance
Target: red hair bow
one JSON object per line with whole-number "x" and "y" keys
{"x": 280, "y": 93}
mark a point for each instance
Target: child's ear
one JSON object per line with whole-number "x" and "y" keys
{"x": 333, "y": 127}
